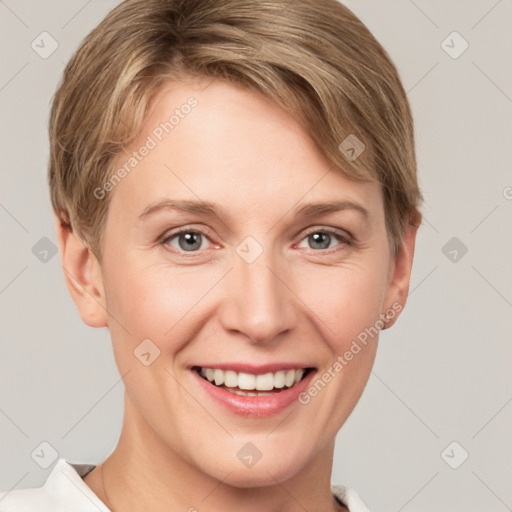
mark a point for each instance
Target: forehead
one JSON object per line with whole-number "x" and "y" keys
{"x": 230, "y": 146}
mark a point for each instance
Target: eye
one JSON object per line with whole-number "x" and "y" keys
{"x": 187, "y": 240}
{"x": 321, "y": 239}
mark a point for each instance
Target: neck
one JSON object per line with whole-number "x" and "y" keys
{"x": 144, "y": 473}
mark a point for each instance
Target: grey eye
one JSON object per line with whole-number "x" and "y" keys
{"x": 319, "y": 240}
{"x": 189, "y": 241}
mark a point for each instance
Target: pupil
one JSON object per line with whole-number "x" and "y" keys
{"x": 192, "y": 241}
{"x": 321, "y": 238}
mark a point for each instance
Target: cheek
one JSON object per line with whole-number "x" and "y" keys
{"x": 345, "y": 300}
{"x": 157, "y": 301}
{"x": 160, "y": 304}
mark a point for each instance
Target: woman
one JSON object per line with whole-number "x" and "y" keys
{"x": 236, "y": 199}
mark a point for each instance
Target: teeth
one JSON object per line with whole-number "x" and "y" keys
{"x": 230, "y": 379}
{"x": 279, "y": 379}
{"x": 218, "y": 376}
{"x": 265, "y": 382}
{"x": 237, "y": 391}
{"x": 249, "y": 381}
{"x": 244, "y": 381}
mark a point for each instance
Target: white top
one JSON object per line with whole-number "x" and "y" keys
{"x": 65, "y": 491}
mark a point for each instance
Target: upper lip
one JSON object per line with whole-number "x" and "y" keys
{"x": 254, "y": 369}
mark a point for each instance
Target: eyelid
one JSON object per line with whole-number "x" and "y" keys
{"x": 172, "y": 233}
{"x": 342, "y": 235}
{"x": 345, "y": 241}
{"x": 186, "y": 229}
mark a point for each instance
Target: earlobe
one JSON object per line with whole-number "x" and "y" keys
{"x": 83, "y": 276}
{"x": 400, "y": 275}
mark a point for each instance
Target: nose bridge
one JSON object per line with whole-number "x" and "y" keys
{"x": 259, "y": 304}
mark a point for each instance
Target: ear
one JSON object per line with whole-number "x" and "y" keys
{"x": 400, "y": 274}
{"x": 82, "y": 273}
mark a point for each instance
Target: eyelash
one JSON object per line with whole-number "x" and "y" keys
{"x": 345, "y": 239}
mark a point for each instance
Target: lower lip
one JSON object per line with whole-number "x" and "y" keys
{"x": 255, "y": 406}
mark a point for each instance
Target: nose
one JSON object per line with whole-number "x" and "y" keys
{"x": 259, "y": 301}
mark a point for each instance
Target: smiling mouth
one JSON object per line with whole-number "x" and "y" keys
{"x": 248, "y": 384}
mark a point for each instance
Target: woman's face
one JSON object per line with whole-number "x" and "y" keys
{"x": 257, "y": 286}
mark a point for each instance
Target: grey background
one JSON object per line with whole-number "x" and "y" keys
{"x": 442, "y": 372}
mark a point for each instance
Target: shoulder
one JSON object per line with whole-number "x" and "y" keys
{"x": 349, "y": 498}
{"x": 64, "y": 490}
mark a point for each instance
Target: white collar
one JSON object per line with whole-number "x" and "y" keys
{"x": 66, "y": 484}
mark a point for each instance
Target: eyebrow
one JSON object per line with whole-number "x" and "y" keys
{"x": 199, "y": 207}
{"x": 210, "y": 209}
{"x": 311, "y": 209}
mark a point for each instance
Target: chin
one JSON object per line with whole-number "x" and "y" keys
{"x": 265, "y": 476}
{"x": 267, "y": 471}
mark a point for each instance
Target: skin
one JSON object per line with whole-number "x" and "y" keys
{"x": 298, "y": 301}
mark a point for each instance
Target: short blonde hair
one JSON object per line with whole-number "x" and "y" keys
{"x": 313, "y": 57}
